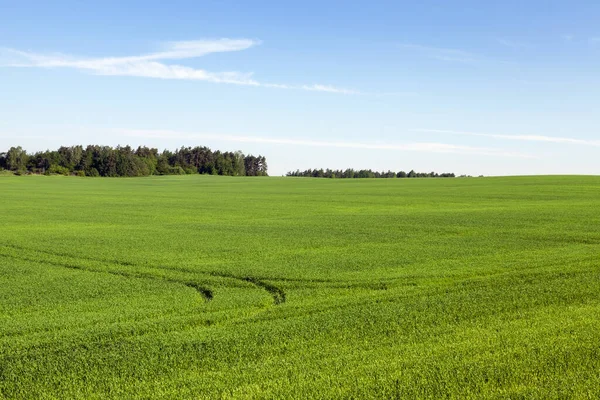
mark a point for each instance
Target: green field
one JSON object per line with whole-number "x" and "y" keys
{"x": 219, "y": 287}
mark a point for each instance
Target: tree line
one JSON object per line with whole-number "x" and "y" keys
{"x": 107, "y": 161}
{"x": 366, "y": 173}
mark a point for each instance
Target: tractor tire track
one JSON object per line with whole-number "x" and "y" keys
{"x": 278, "y": 294}
{"x": 203, "y": 291}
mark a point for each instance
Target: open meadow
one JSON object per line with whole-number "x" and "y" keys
{"x": 254, "y": 287}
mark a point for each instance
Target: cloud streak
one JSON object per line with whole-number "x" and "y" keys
{"x": 512, "y": 44}
{"x": 152, "y": 65}
{"x": 568, "y": 38}
{"x": 426, "y": 147}
{"x": 526, "y": 138}
{"x": 444, "y": 54}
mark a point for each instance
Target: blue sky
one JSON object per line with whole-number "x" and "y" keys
{"x": 472, "y": 87}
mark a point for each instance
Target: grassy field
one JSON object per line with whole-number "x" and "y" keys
{"x": 219, "y": 287}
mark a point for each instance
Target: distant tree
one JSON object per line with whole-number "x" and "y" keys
{"x": 239, "y": 168}
{"x": 365, "y": 173}
{"x": 40, "y": 162}
{"x": 93, "y": 172}
{"x": 262, "y": 166}
{"x": 95, "y": 160}
{"x": 251, "y": 165}
{"x": 162, "y": 163}
{"x": 149, "y": 156}
{"x": 70, "y": 157}
{"x": 16, "y": 159}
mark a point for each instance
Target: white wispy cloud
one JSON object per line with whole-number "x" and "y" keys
{"x": 444, "y": 54}
{"x": 311, "y": 88}
{"x": 143, "y": 65}
{"x": 512, "y": 43}
{"x": 21, "y": 136}
{"x": 427, "y": 147}
{"x": 328, "y": 88}
{"x": 172, "y": 51}
{"x": 152, "y": 65}
{"x": 526, "y": 138}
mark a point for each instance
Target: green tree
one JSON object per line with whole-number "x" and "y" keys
{"x": 16, "y": 159}
{"x": 238, "y": 164}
